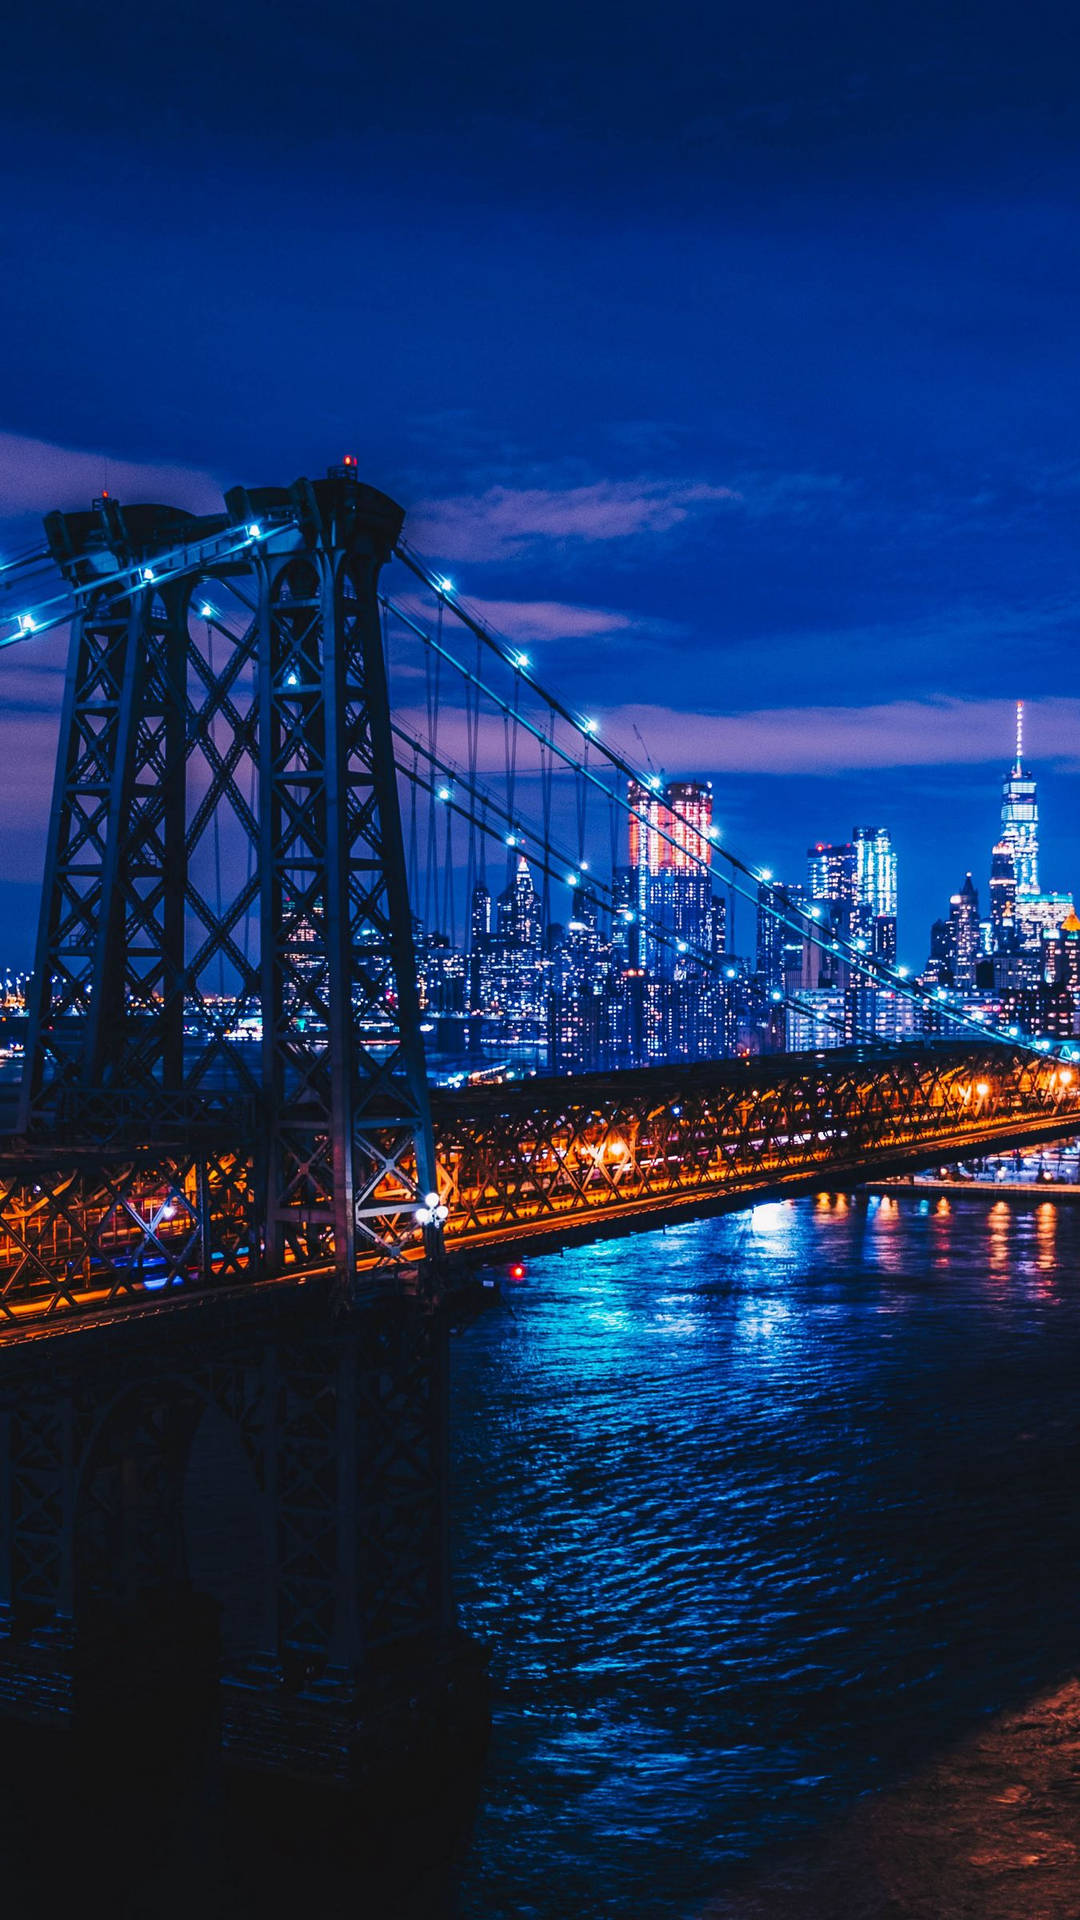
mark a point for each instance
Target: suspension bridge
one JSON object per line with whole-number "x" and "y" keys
{"x": 229, "y": 1190}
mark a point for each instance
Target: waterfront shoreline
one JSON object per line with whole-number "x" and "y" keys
{"x": 990, "y": 1831}
{"x": 976, "y": 1189}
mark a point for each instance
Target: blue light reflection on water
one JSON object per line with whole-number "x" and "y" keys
{"x": 753, "y": 1514}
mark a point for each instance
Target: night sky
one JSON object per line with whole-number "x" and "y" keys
{"x": 731, "y": 351}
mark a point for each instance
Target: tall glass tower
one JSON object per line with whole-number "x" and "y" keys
{"x": 1020, "y": 818}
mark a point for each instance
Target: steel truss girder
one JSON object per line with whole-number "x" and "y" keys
{"x": 93, "y": 1232}
{"x": 548, "y": 1154}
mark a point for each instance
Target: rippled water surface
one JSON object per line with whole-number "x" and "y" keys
{"x": 754, "y": 1514}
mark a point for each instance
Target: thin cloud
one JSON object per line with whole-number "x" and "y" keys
{"x": 550, "y": 619}
{"x": 533, "y": 619}
{"x": 797, "y": 740}
{"x": 506, "y": 521}
{"x": 825, "y": 740}
{"x": 37, "y": 475}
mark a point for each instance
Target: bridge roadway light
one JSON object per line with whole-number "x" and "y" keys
{"x": 982, "y": 1088}
{"x": 254, "y": 532}
{"x": 443, "y": 585}
{"x": 432, "y": 1213}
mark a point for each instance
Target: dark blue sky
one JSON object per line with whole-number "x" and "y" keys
{"x": 740, "y": 343}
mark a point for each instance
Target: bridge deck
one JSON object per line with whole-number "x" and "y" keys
{"x": 536, "y": 1163}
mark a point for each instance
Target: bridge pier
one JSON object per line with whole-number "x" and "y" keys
{"x": 273, "y": 1493}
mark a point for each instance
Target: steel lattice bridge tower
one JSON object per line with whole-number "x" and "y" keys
{"x": 229, "y": 1201}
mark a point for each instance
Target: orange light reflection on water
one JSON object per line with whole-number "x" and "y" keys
{"x": 999, "y": 1232}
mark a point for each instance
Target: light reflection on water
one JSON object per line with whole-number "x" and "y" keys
{"x": 754, "y": 1513}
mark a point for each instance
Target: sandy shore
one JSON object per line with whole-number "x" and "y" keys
{"x": 991, "y": 1831}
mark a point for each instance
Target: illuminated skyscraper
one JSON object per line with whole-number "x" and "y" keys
{"x": 1020, "y": 818}
{"x": 875, "y": 872}
{"x": 963, "y": 939}
{"x": 670, "y": 860}
{"x": 831, "y": 874}
{"x": 874, "y": 918}
{"x": 1002, "y": 898}
{"x": 670, "y": 827}
{"x": 689, "y": 809}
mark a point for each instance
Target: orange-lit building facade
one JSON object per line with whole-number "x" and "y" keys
{"x": 670, "y": 827}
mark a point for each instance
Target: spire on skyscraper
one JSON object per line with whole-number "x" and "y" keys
{"x": 1020, "y": 819}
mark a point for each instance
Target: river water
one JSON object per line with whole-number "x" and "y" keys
{"x": 758, "y": 1515}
